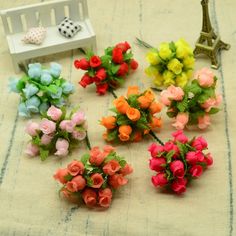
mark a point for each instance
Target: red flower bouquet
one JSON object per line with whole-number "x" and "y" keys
{"x": 179, "y": 161}
{"x": 135, "y": 116}
{"x": 108, "y": 70}
{"x": 94, "y": 177}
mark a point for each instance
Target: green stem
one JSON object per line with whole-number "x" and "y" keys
{"x": 82, "y": 50}
{"x": 157, "y": 89}
{"x": 87, "y": 141}
{"x": 143, "y": 44}
{"x": 24, "y": 68}
{"x": 156, "y": 138}
{"x": 112, "y": 92}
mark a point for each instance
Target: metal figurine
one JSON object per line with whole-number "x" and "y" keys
{"x": 209, "y": 43}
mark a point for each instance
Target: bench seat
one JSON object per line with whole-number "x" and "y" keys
{"x": 54, "y": 42}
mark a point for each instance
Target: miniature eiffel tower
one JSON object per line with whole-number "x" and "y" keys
{"x": 209, "y": 43}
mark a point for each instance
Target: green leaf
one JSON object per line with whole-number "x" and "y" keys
{"x": 114, "y": 68}
{"x": 172, "y": 46}
{"x": 141, "y": 125}
{"x": 84, "y": 159}
{"x": 91, "y": 73}
{"x": 193, "y": 117}
{"x": 58, "y": 82}
{"x": 52, "y": 88}
{"x": 122, "y": 120}
{"x": 206, "y": 93}
{"x": 114, "y": 110}
{"x": 171, "y": 114}
{"x": 43, "y": 154}
{"x": 182, "y": 148}
{"x": 108, "y": 50}
{"x": 36, "y": 140}
{"x": 169, "y": 175}
{"x": 133, "y": 101}
{"x": 122, "y": 163}
{"x": 169, "y": 156}
{"x": 89, "y": 54}
{"x": 20, "y": 85}
{"x": 128, "y": 56}
{"x": 209, "y": 91}
{"x": 214, "y": 110}
{"x": 106, "y": 61}
{"x": 190, "y": 147}
{"x": 119, "y": 80}
{"x": 89, "y": 181}
{"x": 110, "y": 156}
{"x": 183, "y": 105}
{"x": 104, "y": 185}
{"x": 194, "y": 88}
{"x": 63, "y": 134}
{"x": 68, "y": 177}
{"x": 160, "y": 154}
{"x": 112, "y": 135}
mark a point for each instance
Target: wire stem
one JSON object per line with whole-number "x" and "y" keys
{"x": 156, "y": 138}
{"x": 112, "y": 92}
{"x": 82, "y": 50}
{"x": 87, "y": 141}
{"x": 143, "y": 44}
{"x": 157, "y": 89}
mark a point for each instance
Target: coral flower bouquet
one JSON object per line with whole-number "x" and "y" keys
{"x": 94, "y": 178}
{"x": 40, "y": 89}
{"x": 195, "y": 103}
{"x": 135, "y": 116}
{"x": 170, "y": 64}
{"x": 57, "y": 133}
{"x": 109, "y": 70}
{"x": 179, "y": 161}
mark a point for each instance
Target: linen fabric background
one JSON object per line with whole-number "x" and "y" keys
{"x": 29, "y": 202}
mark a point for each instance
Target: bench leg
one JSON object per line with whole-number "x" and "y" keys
{"x": 15, "y": 65}
{"x": 94, "y": 46}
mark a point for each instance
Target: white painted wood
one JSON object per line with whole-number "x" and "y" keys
{"x": 31, "y": 19}
{"x": 42, "y": 14}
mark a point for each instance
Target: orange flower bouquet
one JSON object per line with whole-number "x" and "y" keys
{"x": 135, "y": 116}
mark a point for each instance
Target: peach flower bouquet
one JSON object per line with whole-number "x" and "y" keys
{"x": 94, "y": 178}
{"x": 195, "y": 103}
{"x": 135, "y": 116}
{"x": 56, "y": 133}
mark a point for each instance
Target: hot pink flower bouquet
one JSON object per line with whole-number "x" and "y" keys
{"x": 195, "y": 102}
{"x": 94, "y": 177}
{"x": 56, "y": 133}
{"x": 179, "y": 161}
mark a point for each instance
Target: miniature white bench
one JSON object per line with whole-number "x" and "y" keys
{"x": 16, "y": 21}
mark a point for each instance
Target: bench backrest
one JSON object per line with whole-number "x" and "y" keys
{"x": 45, "y": 14}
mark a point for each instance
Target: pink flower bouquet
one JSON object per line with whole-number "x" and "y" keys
{"x": 195, "y": 102}
{"x": 179, "y": 161}
{"x": 94, "y": 177}
{"x": 56, "y": 133}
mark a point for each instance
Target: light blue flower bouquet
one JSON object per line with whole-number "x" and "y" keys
{"x": 40, "y": 89}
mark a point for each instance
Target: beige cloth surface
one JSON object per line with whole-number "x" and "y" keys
{"x": 29, "y": 203}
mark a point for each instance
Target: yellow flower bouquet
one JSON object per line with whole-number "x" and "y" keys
{"x": 171, "y": 64}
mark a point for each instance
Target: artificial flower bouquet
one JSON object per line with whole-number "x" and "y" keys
{"x": 135, "y": 116}
{"x": 109, "y": 70}
{"x": 170, "y": 64}
{"x": 41, "y": 88}
{"x": 57, "y": 133}
{"x": 195, "y": 102}
{"x": 179, "y": 161}
{"x": 94, "y": 178}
